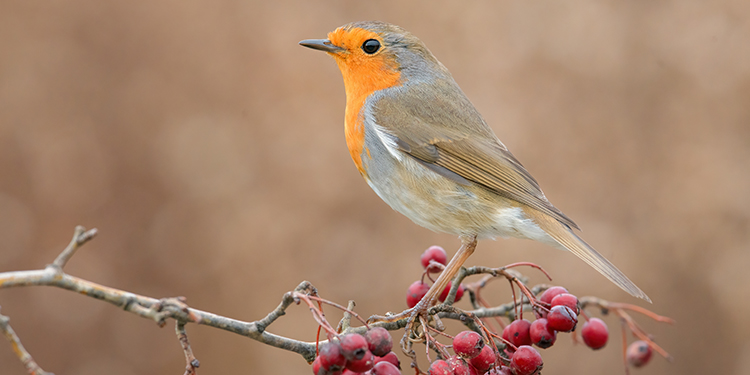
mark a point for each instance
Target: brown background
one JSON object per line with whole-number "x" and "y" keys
{"x": 208, "y": 149}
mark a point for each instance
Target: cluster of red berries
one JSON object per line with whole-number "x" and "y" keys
{"x": 358, "y": 354}
{"x": 431, "y": 260}
{"x": 561, "y": 317}
{"x": 473, "y": 357}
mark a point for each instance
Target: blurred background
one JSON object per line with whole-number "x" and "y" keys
{"x": 207, "y": 147}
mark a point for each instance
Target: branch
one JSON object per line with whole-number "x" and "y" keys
{"x": 80, "y": 237}
{"x": 31, "y": 366}
{"x": 160, "y": 310}
{"x": 192, "y": 362}
{"x": 152, "y": 308}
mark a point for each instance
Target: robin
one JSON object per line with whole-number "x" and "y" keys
{"x": 426, "y": 151}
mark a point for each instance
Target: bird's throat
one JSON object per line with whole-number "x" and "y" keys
{"x": 361, "y": 82}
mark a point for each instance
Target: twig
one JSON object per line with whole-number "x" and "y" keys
{"x": 80, "y": 237}
{"x": 31, "y": 366}
{"x": 192, "y": 363}
{"x": 346, "y": 320}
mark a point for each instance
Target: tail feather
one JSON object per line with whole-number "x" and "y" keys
{"x": 565, "y": 237}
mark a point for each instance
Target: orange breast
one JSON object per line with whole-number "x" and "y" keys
{"x": 363, "y": 75}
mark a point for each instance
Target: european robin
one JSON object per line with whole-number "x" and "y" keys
{"x": 426, "y": 151}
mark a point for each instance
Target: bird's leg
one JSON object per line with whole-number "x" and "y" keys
{"x": 468, "y": 244}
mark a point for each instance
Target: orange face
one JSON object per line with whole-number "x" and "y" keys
{"x": 364, "y": 72}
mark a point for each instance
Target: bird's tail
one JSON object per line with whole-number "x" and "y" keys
{"x": 569, "y": 240}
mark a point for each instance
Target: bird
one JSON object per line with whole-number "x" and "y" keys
{"x": 425, "y": 150}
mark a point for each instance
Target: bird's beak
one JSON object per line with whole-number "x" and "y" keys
{"x": 322, "y": 45}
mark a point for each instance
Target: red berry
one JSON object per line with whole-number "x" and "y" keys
{"x": 518, "y": 332}
{"x": 594, "y": 333}
{"x": 385, "y": 368}
{"x": 316, "y": 366}
{"x": 502, "y": 370}
{"x": 416, "y": 291}
{"x": 440, "y": 367}
{"x": 561, "y": 318}
{"x": 444, "y": 294}
{"x": 379, "y": 341}
{"x": 390, "y": 357}
{"x": 353, "y": 346}
{"x": 363, "y": 364}
{"x": 551, "y": 293}
{"x": 541, "y": 335}
{"x": 566, "y": 299}
{"x": 639, "y": 353}
{"x": 331, "y": 356}
{"x": 547, "y": 297}
{"x": 468, "y": 344}
{"x": 459, "y": 366}
{"x": 484, "y": 360}
{"x": 526, "y": 361}
{"x": 434, "y": 253}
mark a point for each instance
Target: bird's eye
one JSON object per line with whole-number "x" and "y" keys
{"x": 370, "y": 46}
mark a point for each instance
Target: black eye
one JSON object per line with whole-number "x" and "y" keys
{"x": 370, "y": 46}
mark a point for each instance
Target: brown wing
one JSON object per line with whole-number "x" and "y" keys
{"x": 451, "y": 138}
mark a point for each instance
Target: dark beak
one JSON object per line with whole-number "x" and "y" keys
{"x": 321, "y": 44}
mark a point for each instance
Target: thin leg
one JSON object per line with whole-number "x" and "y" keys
{"x": 468, "y": 244}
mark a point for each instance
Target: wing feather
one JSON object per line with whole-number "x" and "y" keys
{"x": 452, "y": 135}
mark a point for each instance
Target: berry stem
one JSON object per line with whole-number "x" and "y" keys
{"x": 648, "y": 313}
{"x": 344, "y": 309}
{"x": 638, "y": 332}
{"x": 529, "y": 264}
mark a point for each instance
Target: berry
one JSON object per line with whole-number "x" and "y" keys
{"x": 363, "y": 364}
{"x": 444, "y": 294}
{"x": 316, "y": 366}
{"x": 518, "y": 332}
{"x": 379, "y": 341}
{"x": 566, "y": 299}
{"x": 440, "y": 367}
{"x": 353, "y": 346}
{"x": 434, "y": 253}
{"x": 548, "y": 295}
{"x": 484, "y": 360}
{"x": 348, "y": 372}
{"x": 562, "y": 318}
{"x": 468, "y": 344}
{"x": 385, "y": 368}
{"x": 594, "y": 333}
{"x": 551, "y": 293}
{"x": 541, "y": 335}
{"x": 639, "y": 353}
{"x": 459, "y": 366}
{"x": 390, "y": 357}
{"x": 526, "y": 361}
{"x": 416, "y": 291}
{"x": 331, "y": 357}
{"x": 502, "y": 370}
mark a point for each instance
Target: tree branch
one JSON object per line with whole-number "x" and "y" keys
{"x": 31, "y": 366}
{"x": 160, "y": 310}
